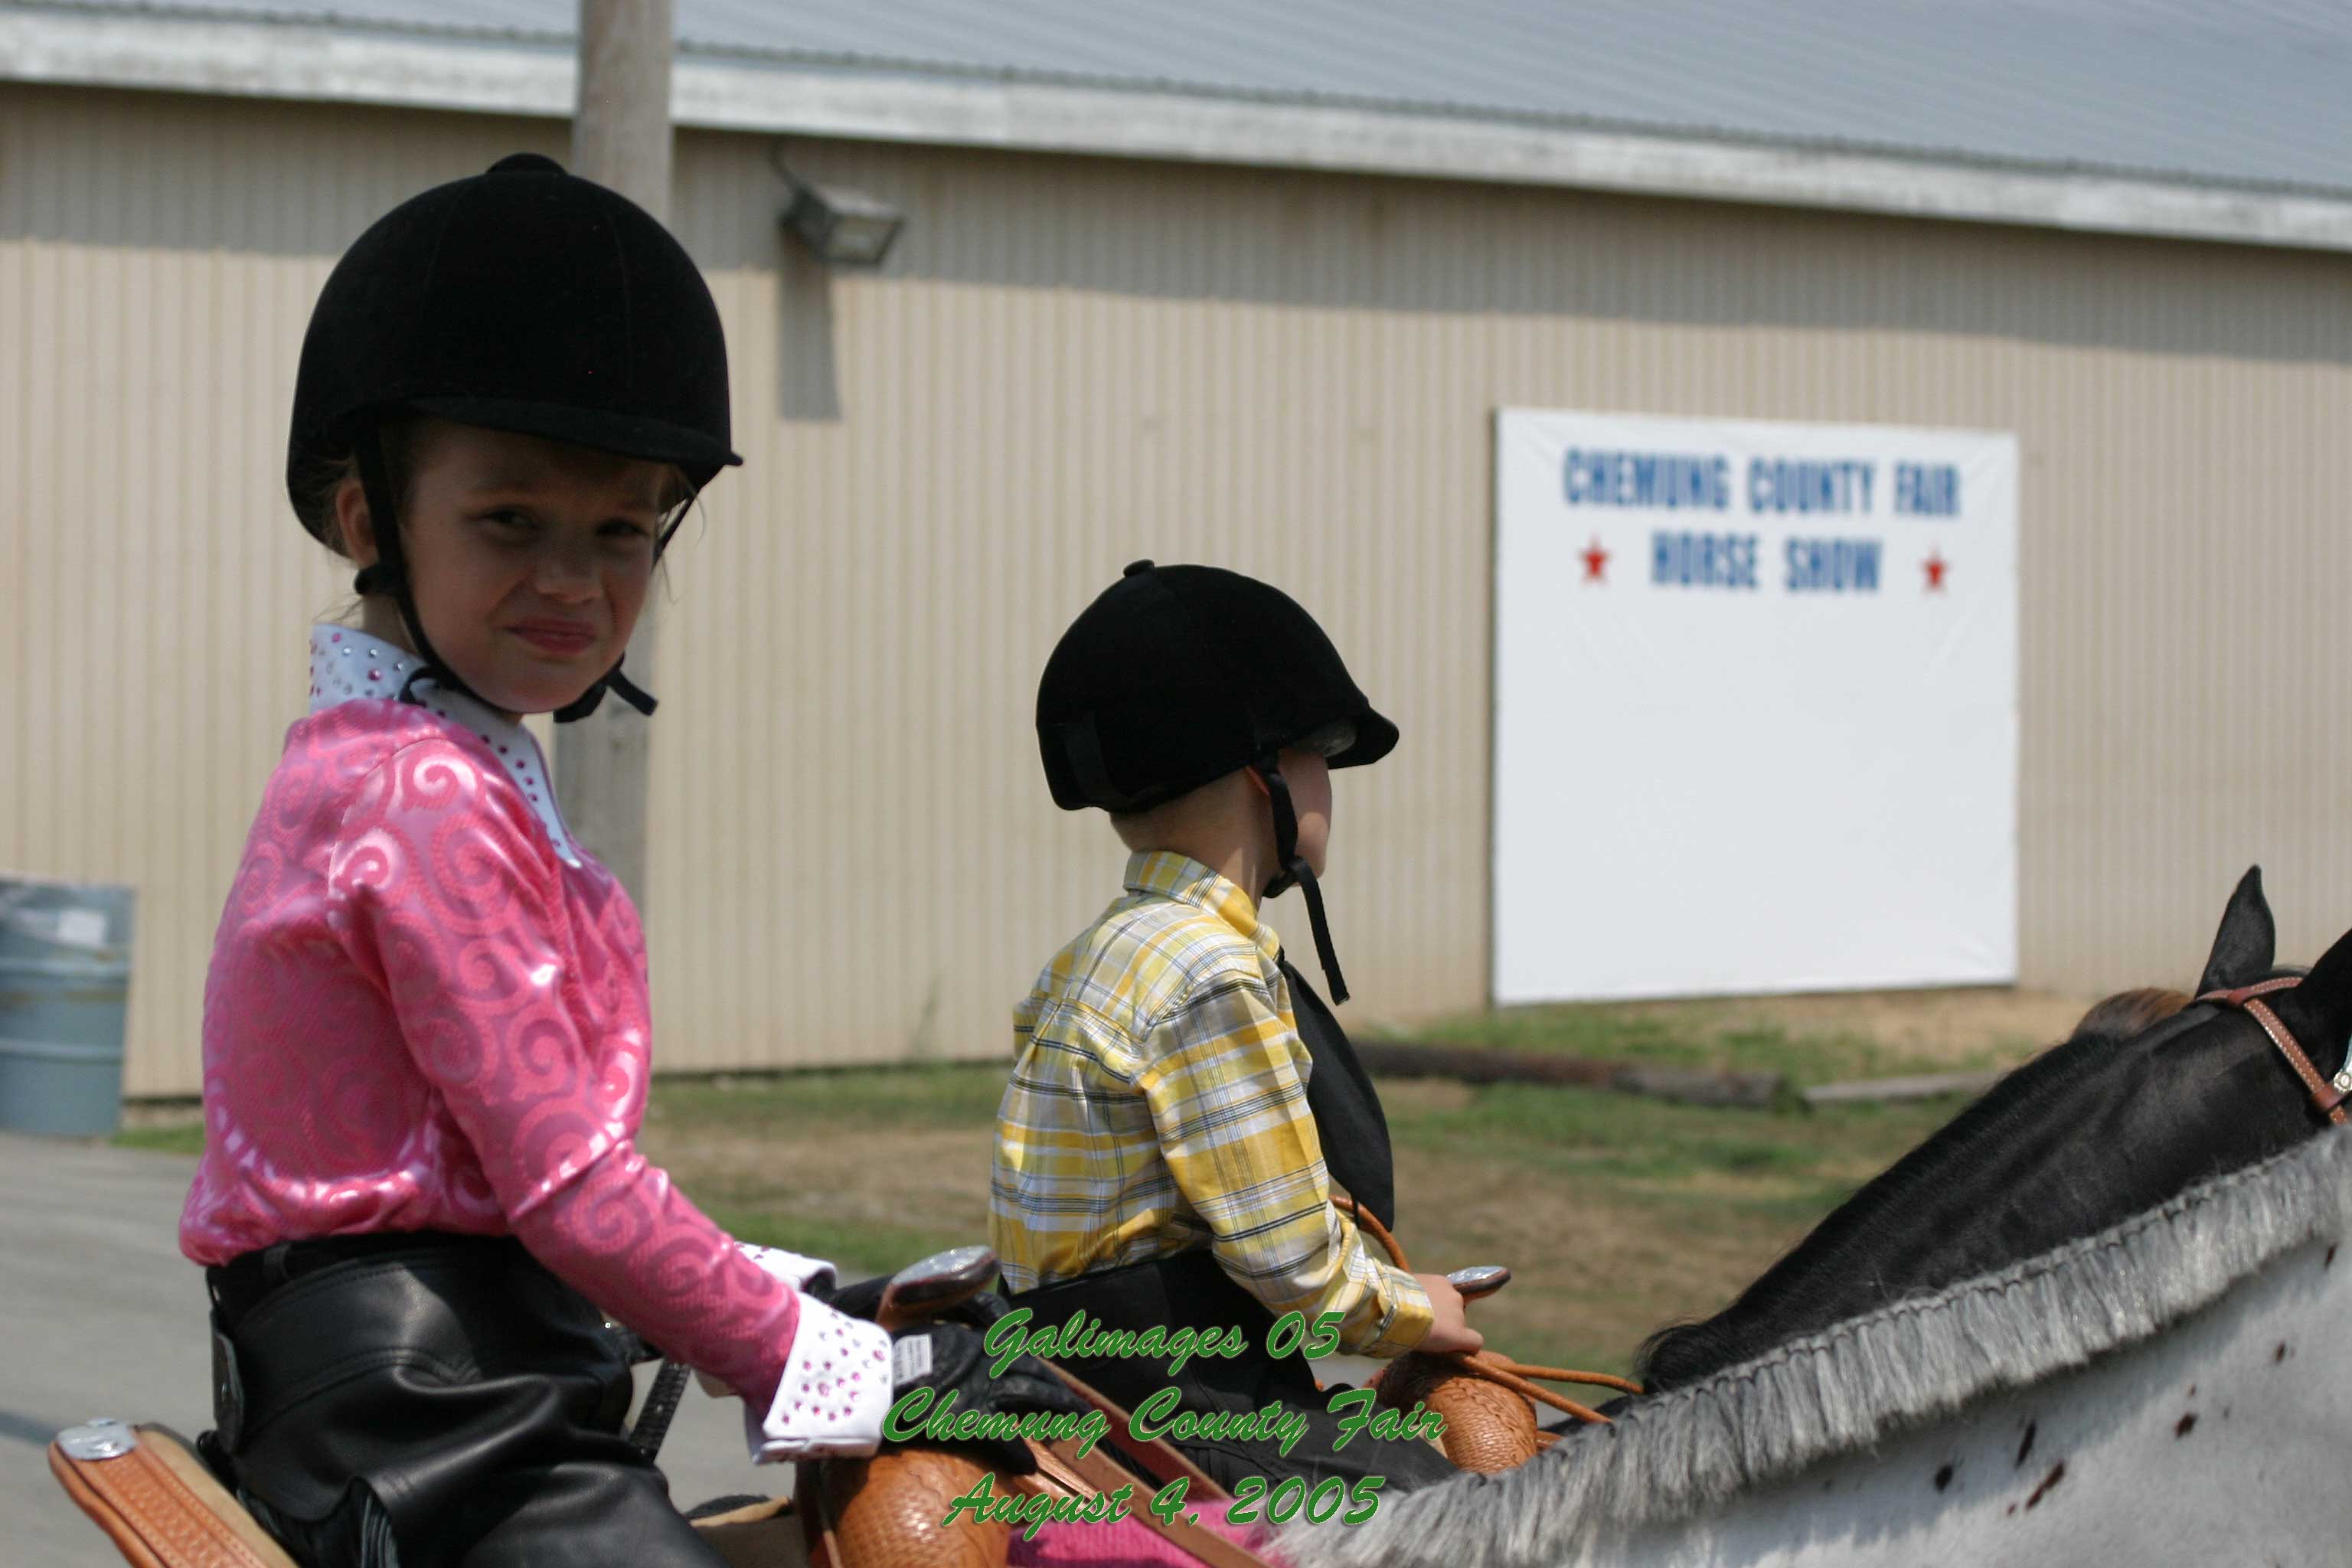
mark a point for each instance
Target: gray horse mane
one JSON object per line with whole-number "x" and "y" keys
{"x": 1689, "y": 1451}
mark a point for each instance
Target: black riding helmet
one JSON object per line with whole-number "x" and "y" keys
{"x": 1179, "y": 675}
{"x": 524, "y": 299}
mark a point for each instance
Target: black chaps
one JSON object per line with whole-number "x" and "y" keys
{"x": 432, "y": 1401}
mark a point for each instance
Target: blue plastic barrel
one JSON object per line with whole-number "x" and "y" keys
{"x": 65, "y": 984}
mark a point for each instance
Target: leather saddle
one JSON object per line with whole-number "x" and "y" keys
{"x": 146, "y": 1487}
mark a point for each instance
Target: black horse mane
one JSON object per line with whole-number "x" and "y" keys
{"x": 2092, "y": 1131}
{"x": 1842, "y": 1245}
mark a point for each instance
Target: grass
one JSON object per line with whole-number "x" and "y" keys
{"x": 950, "y": 1095}
{"x": 1726, "y": 1034}
{"x": 169, "y": 1138}
{"x": 1616, "y": 1214}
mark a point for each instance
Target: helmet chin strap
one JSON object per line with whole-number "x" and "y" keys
{"x": 627, "y": 691}
{"x": 1295, "y": 870}
{"x": 389, "y": 573}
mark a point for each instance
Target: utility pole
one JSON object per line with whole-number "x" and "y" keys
{"x": 620, "y": 138}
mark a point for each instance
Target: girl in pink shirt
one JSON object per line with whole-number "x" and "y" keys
{"x": 427, "y": 1031}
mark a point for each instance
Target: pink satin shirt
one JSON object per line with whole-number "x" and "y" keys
{"x": 428, "y": 1010}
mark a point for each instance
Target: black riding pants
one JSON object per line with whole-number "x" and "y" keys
{"x": 437, "y": 1402}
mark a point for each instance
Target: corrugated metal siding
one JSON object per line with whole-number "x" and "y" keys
{"x": 945, "y": 463}
{"x": 1069, "y": 363}
{"x": 158, "y": 258}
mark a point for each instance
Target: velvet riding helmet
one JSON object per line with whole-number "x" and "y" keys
{"x": 1176, "y": 675}
{"x": 525, "y": 299}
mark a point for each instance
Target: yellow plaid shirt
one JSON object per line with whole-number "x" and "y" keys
{"x": 1159, "y": 1103}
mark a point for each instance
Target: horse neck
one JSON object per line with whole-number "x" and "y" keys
{"x": 2229, "y": 1425}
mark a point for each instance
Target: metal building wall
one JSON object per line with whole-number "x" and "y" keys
{"x": 1069, "y": 363}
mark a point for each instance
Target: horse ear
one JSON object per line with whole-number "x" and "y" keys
{"x": 2247, "y": 943}
{"x": 2319, "y": 1010}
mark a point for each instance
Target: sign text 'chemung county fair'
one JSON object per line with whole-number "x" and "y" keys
{"x": 1773, "y": 489}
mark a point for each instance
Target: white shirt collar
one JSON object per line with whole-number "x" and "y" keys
{"x": 348, "y": 666}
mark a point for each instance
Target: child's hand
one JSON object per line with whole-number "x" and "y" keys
{"x": 950, "y": 1359}
{"x": 1451, "y": 1331}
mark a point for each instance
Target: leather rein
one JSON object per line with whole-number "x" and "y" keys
{"x": 1489, "y": 1365}
{"x": 2327, "y": 1094}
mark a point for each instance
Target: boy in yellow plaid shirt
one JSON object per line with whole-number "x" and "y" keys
{"x": 1183, "y": 1105}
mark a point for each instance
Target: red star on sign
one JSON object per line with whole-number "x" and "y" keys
{"x": 1937, "y": 566}
{"x": 1596, "y": 561}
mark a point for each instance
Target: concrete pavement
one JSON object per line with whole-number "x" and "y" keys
{"x": 103, "y": 1317}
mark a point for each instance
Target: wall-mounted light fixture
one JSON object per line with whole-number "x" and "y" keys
{"x": 841, "y": 227}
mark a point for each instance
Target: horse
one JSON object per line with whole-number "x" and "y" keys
{"x": 2090, "y": 1319}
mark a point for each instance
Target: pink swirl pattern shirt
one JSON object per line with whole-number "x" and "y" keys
{"x": 428, "y": 1010}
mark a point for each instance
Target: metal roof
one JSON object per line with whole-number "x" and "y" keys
{"x": 2243, "y": 92}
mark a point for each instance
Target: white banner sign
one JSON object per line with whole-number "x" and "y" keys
{"x": 1756, "y": 707}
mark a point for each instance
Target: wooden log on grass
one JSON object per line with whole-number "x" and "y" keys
{"x": 1688, "y": 1085}
{"x": 1886, "y": 1091}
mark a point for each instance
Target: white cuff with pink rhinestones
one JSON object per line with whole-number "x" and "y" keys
{"x": 835, "y": 1392}
{"x": 801, "y": 1273}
